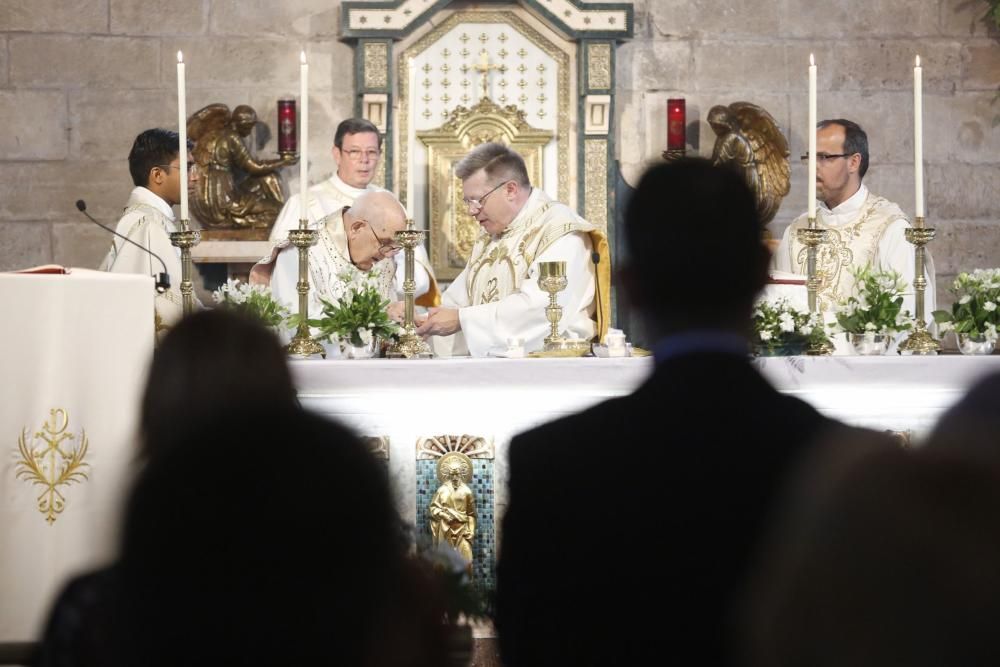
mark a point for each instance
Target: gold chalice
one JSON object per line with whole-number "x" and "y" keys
{"x": 552, "y": 279}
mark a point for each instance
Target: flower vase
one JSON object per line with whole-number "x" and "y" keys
{"x": 869, "y": 343}
{"x": 360, "y": 351}
{"x": 781, "y": 350}
{"x": 969, "y": 344}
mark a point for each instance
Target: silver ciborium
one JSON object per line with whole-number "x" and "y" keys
{"x": 552, "y": 279}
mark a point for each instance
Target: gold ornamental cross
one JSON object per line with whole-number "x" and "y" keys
{"x": 52, "y": 464}
{"x": 484, "y": 67}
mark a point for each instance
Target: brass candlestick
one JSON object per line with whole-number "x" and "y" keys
{"x": 552, "y": 279}
{"x": 186, "y": 239}
{"x": 920, "y": 341}
{"x": 302, "y": 344}
{"x": 410, "y": 345}
{"x": 811, "y": 237}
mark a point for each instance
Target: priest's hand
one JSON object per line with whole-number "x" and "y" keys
{"x": 440, "y": 322}
{"x": 396, "y": 311}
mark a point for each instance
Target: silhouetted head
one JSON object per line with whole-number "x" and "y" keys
{"x": 694, "y": 256}
{"x": 212, "y": 361}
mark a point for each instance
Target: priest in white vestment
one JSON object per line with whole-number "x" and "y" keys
{"x": 357, "y": 148}
{"x": 496, "y": 298}
{"x": 148, "y": 220}
{"x": 865, "y": 228}
{"x": 354, "y": 242}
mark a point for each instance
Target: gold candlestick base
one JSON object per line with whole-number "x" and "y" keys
{"x": 672, "y": 154}
{"x": 186, "y": 239}
{"x": 302, "y": 344}
{"x": 811, "y": 237}
{"x": 920, "y": 342}
{"x": 409, "y": 345}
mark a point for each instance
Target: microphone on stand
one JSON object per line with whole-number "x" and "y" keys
{"x": 162, "y": 279}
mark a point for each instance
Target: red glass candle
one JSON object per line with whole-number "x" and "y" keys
{"x": 676, "y": 123}
{"x": 287, "y": 133}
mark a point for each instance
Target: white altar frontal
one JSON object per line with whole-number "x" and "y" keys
{"x": 412, "y": 412}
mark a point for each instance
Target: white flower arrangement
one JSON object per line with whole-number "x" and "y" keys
{"x": 778, "y": 328}
{"x": 876, "y": 307}
{"x": 356, "y": 313}
{"x": 255, "y": 301}
{"x": 974, "y": 313}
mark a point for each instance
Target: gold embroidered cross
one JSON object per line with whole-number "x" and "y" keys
{"x": 484, "y": 67}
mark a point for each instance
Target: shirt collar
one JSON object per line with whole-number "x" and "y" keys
{"x": 347, "y": 189}
{"x": 700, "y": 340}
{"x": 141, "y": 195}
{"x": 850, "y": 206}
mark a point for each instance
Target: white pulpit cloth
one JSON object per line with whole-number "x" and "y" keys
{"x": 80, "y": 344}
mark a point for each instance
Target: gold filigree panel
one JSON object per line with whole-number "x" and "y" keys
{"x": 595, "y": 179}
{"x": 376, "y": 60}
{"x": 599, "y": 66}
{"x": 47, "y": 460}
{"x": 505, "y": 89}
{"x": 453, "y": 230}
{"x": 436, "y": 446}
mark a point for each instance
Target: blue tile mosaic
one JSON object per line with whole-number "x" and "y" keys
{"x": 484, "y": 543}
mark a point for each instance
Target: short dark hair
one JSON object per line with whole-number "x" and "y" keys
{"x": 496, "y": 160}
{"x": 705, "y": 219}
{"x": 151, "y": 148}
{"x": 855, "y": 140}
{"x": 354, "y": 126}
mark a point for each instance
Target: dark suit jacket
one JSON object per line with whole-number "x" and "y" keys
{"x": 650, "y": 502}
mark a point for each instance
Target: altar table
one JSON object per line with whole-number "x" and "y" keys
{"x": 498, "y": 398}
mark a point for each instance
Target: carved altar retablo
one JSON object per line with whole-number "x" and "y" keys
{"x": 453, "y": 230}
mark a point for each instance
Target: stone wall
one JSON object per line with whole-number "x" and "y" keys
{"x": 720, "y": 51}
{"x": 79, "y": 79}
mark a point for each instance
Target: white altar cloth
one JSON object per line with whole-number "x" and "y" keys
{"x": 498, "y": 398}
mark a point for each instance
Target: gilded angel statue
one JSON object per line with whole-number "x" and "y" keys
{"x": 235, "y": 191}
{"x": 749, "y": 139}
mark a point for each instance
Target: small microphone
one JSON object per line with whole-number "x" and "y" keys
{"x": 162, "y": 279}
{"x": 595, "y": 257}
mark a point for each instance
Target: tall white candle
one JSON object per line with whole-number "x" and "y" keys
{"x": 918, "y": 137}
{"x": 183, "y": 132}
{"x": 811, "y": 176}
{"x": 303, "y": 136}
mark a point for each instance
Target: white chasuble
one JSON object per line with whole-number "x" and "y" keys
{"x": 331, "y": 271}
{"x": 865, "y": 229}
{"x": 497, "y": 293}
{"x": 332, "y": 196}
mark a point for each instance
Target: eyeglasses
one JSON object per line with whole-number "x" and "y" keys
{"x": 476, "y": 205}
{"x": 385, "y": 247}
{"x": 827, "y": 157}
{"x": 192, "y": 167}
{"x": 356, "y": 154}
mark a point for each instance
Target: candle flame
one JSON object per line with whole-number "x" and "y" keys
{"x": 812, "y": 61}
{"x": 302, "y": 57}
{"x": 918, "y": 61}
{"x": 180, "y": 56}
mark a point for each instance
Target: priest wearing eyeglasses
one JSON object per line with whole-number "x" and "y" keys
{"x": 496, "y": 296}
{"x": 866, "y": 229}
{"x": 355, "y": 243}
{"x": 357, "y": 149}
